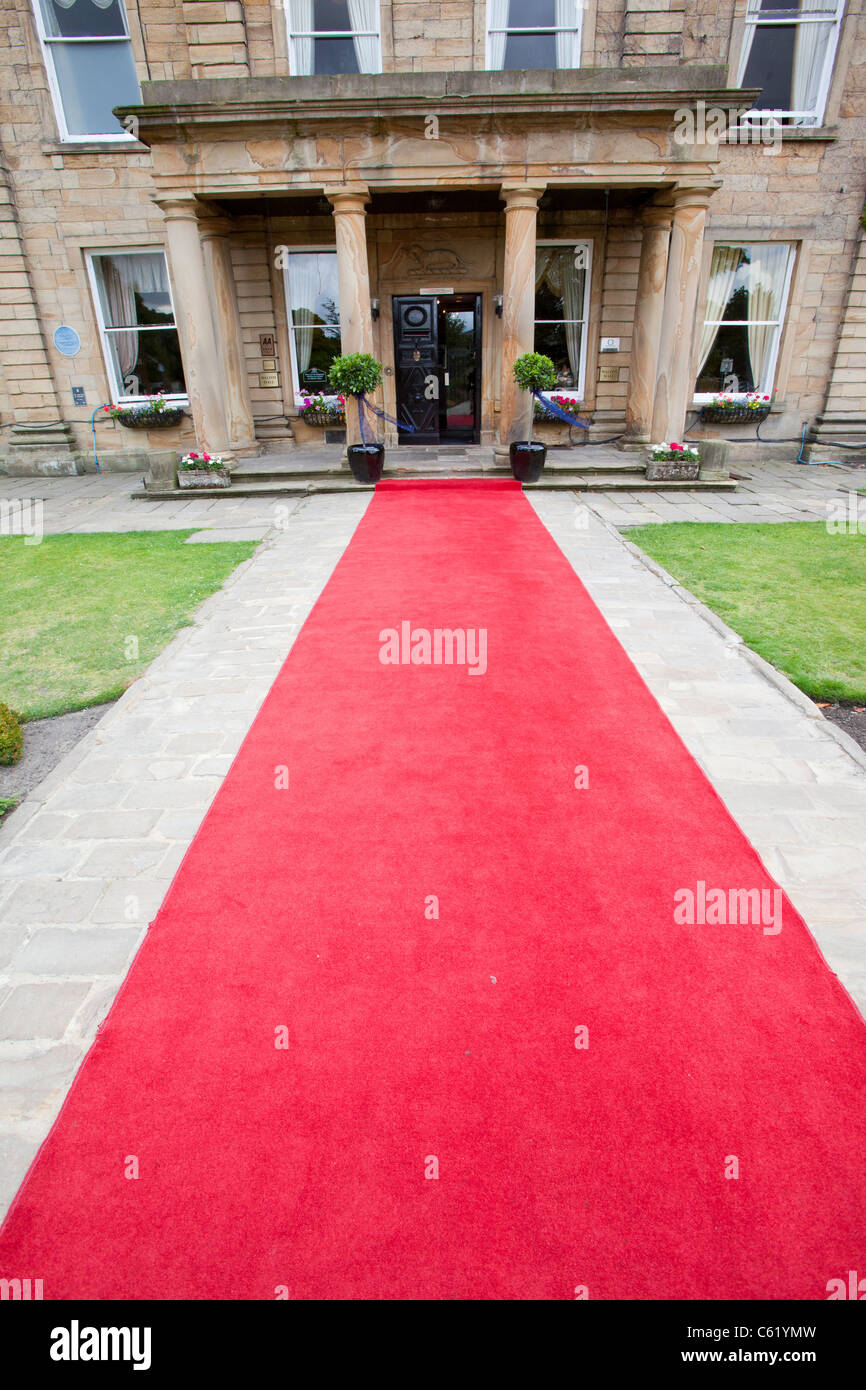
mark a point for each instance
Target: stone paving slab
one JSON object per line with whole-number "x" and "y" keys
{"x": 86, "y": 859}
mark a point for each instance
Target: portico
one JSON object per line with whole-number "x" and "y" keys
{"x": 385, "y": 213}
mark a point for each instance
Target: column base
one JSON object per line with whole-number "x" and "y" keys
{"x": 46, "y": 450}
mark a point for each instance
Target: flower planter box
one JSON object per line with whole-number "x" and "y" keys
{"x": 672, "y": 470}
{"x": 323, "y": 419}
{"x": 149, "y": 419}
{"x": 736, "y": 415}
{"x": 203, "y": 477}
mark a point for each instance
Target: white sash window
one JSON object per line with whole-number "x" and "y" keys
{"x": 562, "y": 279}
{"x": 88, "y": 58}
{"x": 746, "y": 301}
{"x": 137, "y": 324}
{"x": 333, "y": 36}
{"x": 788, "y": 52}
{"x": 526, "y": 34}
{"x": 313, "y": 298}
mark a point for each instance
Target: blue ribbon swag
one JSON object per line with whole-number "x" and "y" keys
{"x": 556, "y": 411}
{"x": 374, "y": 409}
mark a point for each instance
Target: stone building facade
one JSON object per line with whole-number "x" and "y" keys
{"x": 210, "y": 198}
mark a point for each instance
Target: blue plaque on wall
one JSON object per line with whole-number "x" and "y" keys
{"x": 66, "y": 340}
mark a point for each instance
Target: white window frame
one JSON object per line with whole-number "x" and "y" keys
{"x": 754, "y": 15}
{"x": 46, "y": 43}
{"x": 287, "y": 291}
{"x": 116, "y": 389}
{"x": 705, "y": 397}
{"x": 576, "y": 29}
{"x": 293, "y": 34}
{"x": 574, "y": 393}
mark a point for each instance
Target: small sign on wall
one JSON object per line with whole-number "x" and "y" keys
{"x": 269, "y": 379}
{"x": 78, "y": 396}
{"x": 266, "y": 344}
{"x": 610, "y": 344}
{"x": 608, "y": 373}
{"x": 269, "y": 364}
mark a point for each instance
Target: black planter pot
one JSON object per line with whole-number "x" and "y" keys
{"x": 527, "y": 460}
{"x": 366, "y": 462}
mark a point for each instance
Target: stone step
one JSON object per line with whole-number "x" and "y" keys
{"x": 575, "y": 482}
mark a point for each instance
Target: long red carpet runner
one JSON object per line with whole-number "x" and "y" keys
{"x": 468, "y": 988}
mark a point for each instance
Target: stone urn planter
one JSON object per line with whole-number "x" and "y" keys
{"x": 672, "y": 463}
{"x": 202, "y": 470}
{"x": 366, "y": 462}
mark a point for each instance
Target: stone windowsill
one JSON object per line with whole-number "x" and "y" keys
{"x": 103, "y": 147}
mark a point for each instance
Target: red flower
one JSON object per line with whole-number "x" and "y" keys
{"x": 676, "y": 446}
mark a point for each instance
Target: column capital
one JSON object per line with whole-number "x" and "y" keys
{"x": 521, "y": 195}
{"x": 656, "y": 215}
{"x": 696, "y": 197}
{"x": 182, "y": 206}
{"x": 214, "y": 224}
{"x": 347, "y": 197}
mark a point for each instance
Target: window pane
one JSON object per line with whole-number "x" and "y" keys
{"x": 133, "y": 289}
{"x": 771, "y": 66}
{"x": 315, "y": 350}
{"x": 331, "y": 14}
{"x": 559, "y": 287}
{"x": 93, "y": 78}
{"x": 562, "y": 343}
{"x": 83, "y": 19}
{"x": 526, "y": 51}
{"x": 334, "y": 55}
{"x": 728, "y": 367}
{"x": 313, "y": 288}
{"x": 147, "y": 362}
{"x": 532, "y": 14}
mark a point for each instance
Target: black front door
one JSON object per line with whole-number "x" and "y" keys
{"x": 437, "y": 353}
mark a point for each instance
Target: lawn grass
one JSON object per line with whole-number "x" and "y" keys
{"x": 73, "y": 608}
{"x": 793, "y": 592}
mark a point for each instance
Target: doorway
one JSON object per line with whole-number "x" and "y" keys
{"x": 437, "y": 355}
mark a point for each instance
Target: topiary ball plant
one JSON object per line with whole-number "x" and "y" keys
{"x": 534, "y": 372}
{"x": 355, "y": 373}
{"x": 11, "y": 737}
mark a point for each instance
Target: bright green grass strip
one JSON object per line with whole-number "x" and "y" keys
{"x": 70, "y": 605}
{"x": 794, "y": 593}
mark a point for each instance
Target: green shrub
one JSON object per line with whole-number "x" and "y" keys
{"x": 11, "y": 738}
{"x": 535, "y": 372}
{"x": 355, "y": 373}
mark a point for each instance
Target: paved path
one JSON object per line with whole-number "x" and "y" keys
{"x": 87, "y": 858}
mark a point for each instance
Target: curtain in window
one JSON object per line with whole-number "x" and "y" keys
{"x": 555, "y": 264}
{"x": 497, "y": 18}
{"x": 301, "y": 21}
{"x": 304, "y": 289}
{"x": 723, "y": 272}
{"x": 364, "y": 14}
{"x": 121, "y": 277}
{"x": 565, "y": 14}
{"x": 809, "y": 55}
{"x": 767, "y": 273}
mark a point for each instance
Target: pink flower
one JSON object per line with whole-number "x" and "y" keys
{"x": 676, "y": 446}
{"x": 766, "y": 398}
{"x": 205, "y": 458}
{"x": 193, "y": 456}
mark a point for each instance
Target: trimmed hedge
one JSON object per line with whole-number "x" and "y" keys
{"x": 11, "y": 737}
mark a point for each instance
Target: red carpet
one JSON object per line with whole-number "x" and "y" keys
{"x": 412, "y": 1038}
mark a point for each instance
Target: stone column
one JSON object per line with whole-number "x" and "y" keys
{"x": 201, "y": 363}
{"x": 224, "y": 303}
{"x": 674, "y": 385}
{"x": 647, "y": 330}
{"x": 518, "y": 305}
{"x": 353, "y": 277}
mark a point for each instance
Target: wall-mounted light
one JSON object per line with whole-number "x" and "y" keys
{"x": 374, "y": 308}
{"x": 497, "y": 301}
